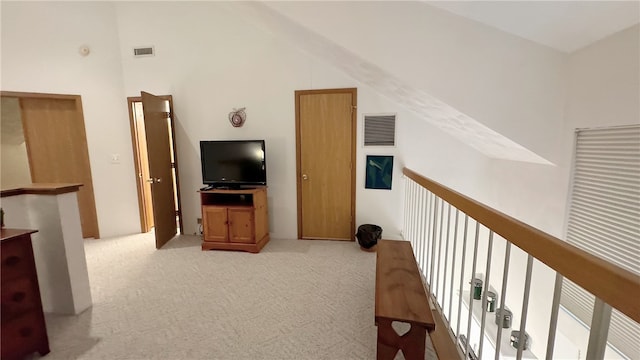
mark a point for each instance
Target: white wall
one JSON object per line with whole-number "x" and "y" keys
{"x": 211, "y": 64}
{"x": 40, "y": 43}
{"x": 603, "y": 90}
{"x": 512, "y": 85}
{"x": 211, "y": 60}
{"x": 604, "y": 84}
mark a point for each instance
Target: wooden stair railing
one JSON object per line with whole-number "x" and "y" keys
{"x": 618, "y": 287}
{"x": 610, "y": 284}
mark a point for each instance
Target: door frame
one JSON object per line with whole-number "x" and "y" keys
{"x": 145, "y": 225}
{"x": 354, "y": 117}
{"x": 77, "y": 99}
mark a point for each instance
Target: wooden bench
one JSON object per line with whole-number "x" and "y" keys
{"x": 400, "y": 296}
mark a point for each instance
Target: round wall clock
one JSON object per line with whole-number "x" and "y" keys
{"x": 237, "y": 117}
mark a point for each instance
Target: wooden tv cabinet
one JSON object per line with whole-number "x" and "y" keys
{"x": 234, "y": 219}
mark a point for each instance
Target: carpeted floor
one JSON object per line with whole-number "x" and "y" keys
{"x": 296, "y": 299}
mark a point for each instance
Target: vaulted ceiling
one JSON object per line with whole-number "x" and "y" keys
{"x": 563, "y": 25}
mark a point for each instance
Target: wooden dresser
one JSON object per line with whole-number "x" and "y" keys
{"x": 23, "y": 326}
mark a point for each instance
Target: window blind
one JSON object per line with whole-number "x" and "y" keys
{"x": 604, "y": 218}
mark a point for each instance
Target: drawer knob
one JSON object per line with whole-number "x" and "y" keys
{"x": 26, "y": 332}
{"x": 12, "y": 260}
{"x": 19, "y": 296}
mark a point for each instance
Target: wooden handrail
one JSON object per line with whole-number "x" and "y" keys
{"x": 616, "y": 286}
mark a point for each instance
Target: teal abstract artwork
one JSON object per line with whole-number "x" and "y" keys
{"x": 379, "y": 172}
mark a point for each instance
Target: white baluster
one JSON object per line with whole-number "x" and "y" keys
{"x": 464, "y": 254}
{"x": 484, "y": 294}
{"x": 555, "y": 310}
{"x": 525, "y": 307}
{"x": 473, "y": 274}
{"x": 453, "y": 262}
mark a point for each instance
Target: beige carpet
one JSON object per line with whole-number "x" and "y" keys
{"x": 296, "y": 299}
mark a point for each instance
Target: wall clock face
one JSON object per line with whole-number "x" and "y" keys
{"x": 237, "y": 117}
{"x": 236, "y": 120}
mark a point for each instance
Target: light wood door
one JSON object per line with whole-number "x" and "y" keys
{"x": 215, "y": 222}
{"x": 156, "y": 121}
{"x": 241, "y": 228}
{"x": 57, "y": 148}
{"x": 141, "y": 163}
{"x": 326, "y": 154}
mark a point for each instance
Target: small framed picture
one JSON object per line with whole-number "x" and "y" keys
{"x": 379, "y": 172}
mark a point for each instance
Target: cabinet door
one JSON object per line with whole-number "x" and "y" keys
{"x": 214, "y": 222}
{"x": 241, "y": 228}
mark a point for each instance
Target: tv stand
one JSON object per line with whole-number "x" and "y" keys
{"x": 234, "y": 219}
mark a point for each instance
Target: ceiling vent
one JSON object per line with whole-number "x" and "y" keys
{"x": 143, "y": 51}
{"x": 379, "y": 130}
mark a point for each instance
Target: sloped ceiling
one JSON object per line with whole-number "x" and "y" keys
{"x": 425, "y": 106}
{"x": 563, "y": 25}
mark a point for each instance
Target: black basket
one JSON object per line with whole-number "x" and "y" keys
{"x": 368, "y": 235}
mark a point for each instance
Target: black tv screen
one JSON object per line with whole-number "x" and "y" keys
{"x": 233, "y": 163}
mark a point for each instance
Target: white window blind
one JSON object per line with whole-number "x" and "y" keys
{"x": 604, "y": 218}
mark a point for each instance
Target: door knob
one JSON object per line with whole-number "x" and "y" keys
{"x": 152, "y": 180}
{"x": 158, "y": 180}
{"x": 304, "y": 177}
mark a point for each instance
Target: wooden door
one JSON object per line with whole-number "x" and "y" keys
{"x": 215, "y": 222}
{"x": 241, "y": 228}
{"x": 141, "y": 162}
{"x": 156, "y": 121}
{"x": 57, "y": 149}
{"x": 325, "y": 125}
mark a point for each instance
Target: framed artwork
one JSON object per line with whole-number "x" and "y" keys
{"x": 379, "y": 172}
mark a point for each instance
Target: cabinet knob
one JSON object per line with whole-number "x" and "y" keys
{"x": 304, "y": 177}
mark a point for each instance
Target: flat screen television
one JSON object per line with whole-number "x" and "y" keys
{"x": 233, "y": 163}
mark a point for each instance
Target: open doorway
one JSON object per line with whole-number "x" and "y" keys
{"x": 44, "y": 139}
{"x": 141, "y": 163}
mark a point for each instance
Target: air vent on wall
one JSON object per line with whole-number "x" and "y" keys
{"x": 143, "y": 51}
{"x": 379, "y": 130}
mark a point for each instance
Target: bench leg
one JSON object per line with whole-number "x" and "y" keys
{"x": 389, "y": 342}
{"x": 413, "y": 344}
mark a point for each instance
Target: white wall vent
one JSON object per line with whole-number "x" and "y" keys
{"x": 143, "y": 51}
{"x": 379, "y": 130}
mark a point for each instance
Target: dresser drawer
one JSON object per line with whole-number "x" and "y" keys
{"x": 16, "y": 259}
{"x": 24, "y": 335}
{"x": 18, "y": 297}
